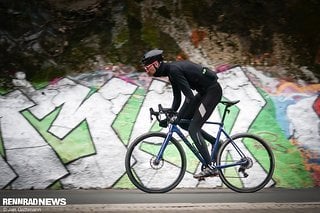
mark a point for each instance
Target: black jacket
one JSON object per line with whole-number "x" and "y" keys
{"x": 186, "y": 76}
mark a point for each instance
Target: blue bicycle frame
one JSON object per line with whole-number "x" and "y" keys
{"x": 173, "y": 128}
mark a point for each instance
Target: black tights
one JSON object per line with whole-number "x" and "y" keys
{"x": 199, "y": 111}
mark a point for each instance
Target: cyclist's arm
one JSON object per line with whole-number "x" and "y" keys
{"x": 179, "y": 80}
{"x": 176, "y": 97}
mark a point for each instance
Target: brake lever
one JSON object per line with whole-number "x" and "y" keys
{"x": 151, "y": 113}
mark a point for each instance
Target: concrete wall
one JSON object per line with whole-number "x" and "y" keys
{"x": 73, "y": 132}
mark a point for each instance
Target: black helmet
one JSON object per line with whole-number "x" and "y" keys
{"x": 151, "y": 56}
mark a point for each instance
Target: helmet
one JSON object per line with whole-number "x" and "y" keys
{"x": 151, "y": 56}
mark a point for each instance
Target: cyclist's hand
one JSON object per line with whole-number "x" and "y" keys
{"x": 174, "y": 119}
{"x": 172, "y": 116}
{"x": 163, "y": 123}
{"x": 171, "y": 113}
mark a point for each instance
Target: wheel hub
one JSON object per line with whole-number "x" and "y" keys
{"x": 155, "y": 164}
{"x": 249, "y": 163}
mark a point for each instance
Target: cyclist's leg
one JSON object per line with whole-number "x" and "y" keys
{"x": 205, "y": 135}
{"x": 197, "y": 137}
{"x": 207, "y": 105}
{"x": 188, "y": 110}
{"x": 208, "y": 137}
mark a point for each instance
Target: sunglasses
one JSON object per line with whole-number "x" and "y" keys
{"x": 155, "y": 64}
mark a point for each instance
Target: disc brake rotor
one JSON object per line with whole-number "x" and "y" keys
{"x": 156, "y": 164}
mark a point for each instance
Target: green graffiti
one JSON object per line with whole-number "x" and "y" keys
{"x": 156, "y": 127}
{"x": 3, "y": 91}
{"x": 192, "y": 160}
{"x": 56, "y": 185}
{"x": 40, "y": 85}
{"x": 289, "y": 171}
{"x": 124, "y": 183}
{"x": 92, "y": 91}
{"x": 125, "y": 120}
{"x": 75, "y": 145}
{"x": 232, "y": 172}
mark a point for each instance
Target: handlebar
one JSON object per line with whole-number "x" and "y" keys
{"x": 167, "y": 112}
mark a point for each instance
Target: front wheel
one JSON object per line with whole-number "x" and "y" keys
{"x": 256, "y": 159}
{"x": 151, "y": 175}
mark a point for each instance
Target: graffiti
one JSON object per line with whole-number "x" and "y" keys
{"x": 289, "y": 87}
{"x": 316, "y": 106}
{"x": 21, "y": 141}
{"x": 74, "y": 132}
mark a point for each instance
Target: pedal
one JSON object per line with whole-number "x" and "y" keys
{"x": 201, "y": 179}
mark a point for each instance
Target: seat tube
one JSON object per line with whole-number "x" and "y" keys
{"x": 224, "y": 114}
{"x": 214, "y": 150}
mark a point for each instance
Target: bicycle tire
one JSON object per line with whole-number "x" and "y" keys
{"x": 144, "y": 173}
{"x": 259, "y": 169}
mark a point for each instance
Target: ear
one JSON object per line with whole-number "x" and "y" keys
{"x": 156, "y": 64}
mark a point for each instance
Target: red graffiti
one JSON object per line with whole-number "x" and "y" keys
{"x": 197, "y": 36}
{"x": 316, "y": 106}
{"x": 55, "y": 81}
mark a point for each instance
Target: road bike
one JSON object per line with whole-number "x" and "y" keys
{"x": 156, "y": 162}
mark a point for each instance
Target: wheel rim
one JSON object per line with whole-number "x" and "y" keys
{"x": 148, "y": 174}
{"x": 257, "y": 170}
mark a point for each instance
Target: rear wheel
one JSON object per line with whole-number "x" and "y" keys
{"x": 150, "y": 175}
{"x": 257, "y": 166}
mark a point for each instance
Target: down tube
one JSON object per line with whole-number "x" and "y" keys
{"x": 190, "y": 146}
{"x": 164, "y": 145}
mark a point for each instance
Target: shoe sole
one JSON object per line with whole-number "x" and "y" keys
{"x": 203, "y": 177}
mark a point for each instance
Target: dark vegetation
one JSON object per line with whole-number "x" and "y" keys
{"x": 51, "y": 38}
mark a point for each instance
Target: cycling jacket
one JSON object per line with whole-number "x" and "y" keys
{"x": 186, "y": 76}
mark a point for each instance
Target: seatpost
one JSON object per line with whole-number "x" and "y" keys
{"x": 226, "y": 110}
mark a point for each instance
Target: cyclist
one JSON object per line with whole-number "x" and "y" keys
{"x": 186, "y": 77}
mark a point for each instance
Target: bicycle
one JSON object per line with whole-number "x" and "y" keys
{"x": 156, "y": 162}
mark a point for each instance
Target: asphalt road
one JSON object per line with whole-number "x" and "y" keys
{"x": 203, "y": 200}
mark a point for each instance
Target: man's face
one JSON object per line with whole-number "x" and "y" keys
{"x": 152, "y": 68}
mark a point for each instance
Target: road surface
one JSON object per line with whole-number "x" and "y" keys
{"x": 181, "y": 200}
